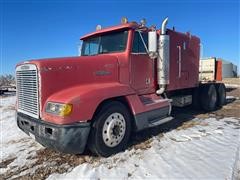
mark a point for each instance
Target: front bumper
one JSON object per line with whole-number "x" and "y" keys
{"x": 65, "y": 138}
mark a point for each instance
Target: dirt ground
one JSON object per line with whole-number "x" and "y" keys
{"x": 232, "y": 81}
{"x": 61, "y": 163}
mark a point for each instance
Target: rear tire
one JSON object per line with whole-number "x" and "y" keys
{"x": 221, "y": 94}
{"x": 195, "y": 99}
{"x": 111, "y": 129}
{"x": 208, "y": 97}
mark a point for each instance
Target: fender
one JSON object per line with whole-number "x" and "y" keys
{"x": 85, "y": 100}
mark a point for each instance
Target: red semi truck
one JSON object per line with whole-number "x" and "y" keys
{"x": 127, "y": 79}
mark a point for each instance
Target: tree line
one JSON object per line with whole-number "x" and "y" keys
{"x": 7, "y": 80}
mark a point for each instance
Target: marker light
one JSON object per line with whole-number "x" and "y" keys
{"x": 59, "y": 109}
{"x": 124, "y": 20}
{"x": 143, "y": 22}
{"x": 98, "y": 27}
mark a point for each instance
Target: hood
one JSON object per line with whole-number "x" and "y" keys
{"x": 56, "y": 74}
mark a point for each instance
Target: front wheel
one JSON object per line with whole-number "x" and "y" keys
{"x": 111, "y": 129}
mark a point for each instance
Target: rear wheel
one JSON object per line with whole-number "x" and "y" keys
{"x": 111, "y": 130}
{"x": 208, "y": 97}
{"x": 221, "y": 94}
{"x": 195, "y": 99}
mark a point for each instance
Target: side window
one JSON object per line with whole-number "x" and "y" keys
{"x": 138, "y": 46}
{"x": 91, "y": 47}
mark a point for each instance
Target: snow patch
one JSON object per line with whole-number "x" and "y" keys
{"x": 14, "y": 143}
{"x": 208, "y": 149}
{"x": 198, "y": 152}
{"x": 232, "y": 85}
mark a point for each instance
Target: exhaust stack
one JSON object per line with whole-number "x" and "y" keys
{"x": 164, "y": 24}
{"x": 163, "y": 59}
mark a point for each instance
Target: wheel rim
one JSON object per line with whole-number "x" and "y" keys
{"x": 114, "y": 129}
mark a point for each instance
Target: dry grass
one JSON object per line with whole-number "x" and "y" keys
{"x": 5, "y": 163}
{"x": 231, "y": 80}
{"x": 190, "y": 124}
{"x": 143, "y": 145}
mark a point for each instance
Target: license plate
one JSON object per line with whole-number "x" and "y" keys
{"x": 32, "y": 135}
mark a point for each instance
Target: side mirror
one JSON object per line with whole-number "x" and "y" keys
{"x": 152, "y": 44}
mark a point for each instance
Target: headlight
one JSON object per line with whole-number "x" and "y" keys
{"x": 59, "y": 109}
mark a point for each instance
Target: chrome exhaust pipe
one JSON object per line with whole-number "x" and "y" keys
{"x": 164, "y": 24}
{"x": 163, "y": 59}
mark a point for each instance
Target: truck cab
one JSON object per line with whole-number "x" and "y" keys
{"x": 127, "y": 79}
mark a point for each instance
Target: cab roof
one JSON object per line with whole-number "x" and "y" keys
{"x": 131, "y": 25}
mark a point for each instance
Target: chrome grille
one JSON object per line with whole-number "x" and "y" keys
{"x": 27, "y": 90}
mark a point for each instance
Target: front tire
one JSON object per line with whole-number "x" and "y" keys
{"x": 111, "y": 129}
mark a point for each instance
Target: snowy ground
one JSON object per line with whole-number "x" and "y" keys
{"x": 207, "y": 150}
{"x": 202, "y": 146}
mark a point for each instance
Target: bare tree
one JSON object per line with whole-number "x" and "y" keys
{"x": 7, "y": 80}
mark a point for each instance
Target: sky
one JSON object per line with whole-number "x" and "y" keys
{"x": 42, "y": 29}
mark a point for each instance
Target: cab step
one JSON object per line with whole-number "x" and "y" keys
{"x": 160, "y": 121}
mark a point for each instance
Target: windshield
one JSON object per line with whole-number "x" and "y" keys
{"x": 106, "y": 43}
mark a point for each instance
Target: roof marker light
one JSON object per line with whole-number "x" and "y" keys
{"x": 98, "y": 27}
{"x": 143, "y": 22}
{"x": 124, "y": 20}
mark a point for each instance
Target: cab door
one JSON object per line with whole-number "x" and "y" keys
{"x": 142, "y": 67}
